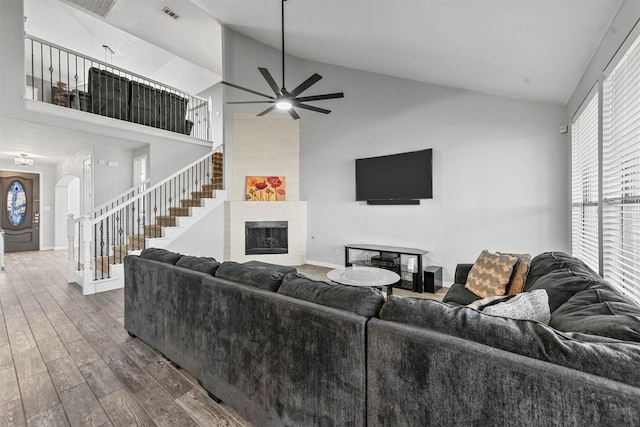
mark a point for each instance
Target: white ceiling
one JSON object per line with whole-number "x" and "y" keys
{"x": 530, "y": 49}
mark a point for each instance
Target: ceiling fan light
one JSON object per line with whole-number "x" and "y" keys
{"x": 284, "y": 104}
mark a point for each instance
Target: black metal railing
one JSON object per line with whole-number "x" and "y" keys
{"x": 127, "y": 224}
{"x": 69, "y": 79}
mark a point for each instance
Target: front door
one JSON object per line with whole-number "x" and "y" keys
{"x": 20, "y": 193}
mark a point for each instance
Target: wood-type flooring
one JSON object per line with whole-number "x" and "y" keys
{"x": 66, "y": 359}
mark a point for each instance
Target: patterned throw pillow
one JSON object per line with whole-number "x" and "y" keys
{"x": 490, "y": 274}
{"x": 520, "y": 274}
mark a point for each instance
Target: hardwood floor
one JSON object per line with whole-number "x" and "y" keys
{"x": 65, "y": 359}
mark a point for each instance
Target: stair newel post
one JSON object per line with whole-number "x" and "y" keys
{"x": 209, "y": 119}
{"x": 87, "y": 278}
{"x": 71, "y": 253}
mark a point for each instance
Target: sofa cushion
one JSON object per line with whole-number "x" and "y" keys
{"x": 364, "y": 301}
{"x": 162, "y": 255}
{"x": 284, "y": 269}
{"x": 547, "y": 262}
{"x": 262, "y": 278}
{"x": 563, "y": 283}
{"x": 599, "y": 311}
{"x": 202, "y": 264}
{"x": 524, "y": 337}
{"x": 520, "y": 272}
{"x": 459, "y": 295}
{"x": 490, "y": 274}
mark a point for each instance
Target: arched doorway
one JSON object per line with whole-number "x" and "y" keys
{"x": 67, "y": 200}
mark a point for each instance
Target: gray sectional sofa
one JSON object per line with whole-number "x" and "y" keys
{"x": 287, "y": 351}
{"x": 280, "y": 349}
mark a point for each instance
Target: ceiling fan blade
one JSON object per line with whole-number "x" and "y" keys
{"x": 251, "y": 102}
{"x": 267, "y": 111}
{"x": 312, "y": 108}
{"x": 319, "y": 97}
{"x": 247, "y": 90}
{"x": 305, "y": 84}
{"x": 293, "y": 114}
{"x": 272, "y": 83}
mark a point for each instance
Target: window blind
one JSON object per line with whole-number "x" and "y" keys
{"x": 584, "y": 185}
{"x": 621, "y": 174}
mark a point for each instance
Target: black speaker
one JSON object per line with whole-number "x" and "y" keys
{"x": 432, "y": 279}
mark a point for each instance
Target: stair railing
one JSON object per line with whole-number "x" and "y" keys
{"x": 61, "y": 76}
{"x": 118, "y": 200}
{"x": 106, "y": 238}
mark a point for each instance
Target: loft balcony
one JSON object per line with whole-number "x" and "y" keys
{"x": 67, "y": 79}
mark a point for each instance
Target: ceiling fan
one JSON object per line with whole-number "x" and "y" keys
{"x": 284, "y": 99}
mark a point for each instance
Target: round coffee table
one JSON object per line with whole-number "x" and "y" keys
{"x": 364, "y": 276}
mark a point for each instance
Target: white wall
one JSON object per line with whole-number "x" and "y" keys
{"x": 203, "y": 239}
{"x": 501, "y": 169}
{"x": 112, "y": 172}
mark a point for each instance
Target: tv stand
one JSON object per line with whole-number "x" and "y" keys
{"x": 392, "y": 258}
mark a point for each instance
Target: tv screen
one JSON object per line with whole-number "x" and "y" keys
{"x": 403, "y": 176}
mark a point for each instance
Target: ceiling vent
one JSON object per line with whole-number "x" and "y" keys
{"x": 100, "y": 8}
{"x": 171, "y": 13}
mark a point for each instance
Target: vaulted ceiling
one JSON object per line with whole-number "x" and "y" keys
{"x": 531, "y": 49}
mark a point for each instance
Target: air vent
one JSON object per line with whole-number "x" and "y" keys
{"x": 171, "y": 13}
{"x": 96, "y": 7}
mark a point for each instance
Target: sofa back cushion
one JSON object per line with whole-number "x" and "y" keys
{"x": 563, "y": 283}
{"x": 262, "y": 278}
{"x": 614, "y": 359}
{"x": 364, "y": 301}
{"x": 599, "y": 311}
{"x": 162, "y": 255}
{"x": 202, "y": 264}
{"x": 284, "y": 269}
{"x": 547, "y": 262}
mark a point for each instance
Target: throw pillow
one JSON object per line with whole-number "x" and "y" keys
{"x": 520, "y": 273}
{"x": 490, "y": 274}
{"x": 532, "y": 305}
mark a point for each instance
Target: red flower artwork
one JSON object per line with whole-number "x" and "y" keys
{"x": 265, "y": 188}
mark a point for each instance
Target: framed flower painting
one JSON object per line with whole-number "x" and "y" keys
{"x": 266, "y": 189}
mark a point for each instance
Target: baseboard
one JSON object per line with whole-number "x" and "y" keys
{"x": 58, "y": 248}
{"x": 324, "y": 264}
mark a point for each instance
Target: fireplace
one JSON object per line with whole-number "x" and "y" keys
{"x": 266, "y": 237}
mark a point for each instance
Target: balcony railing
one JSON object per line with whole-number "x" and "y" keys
{"x": 69, "y": 79}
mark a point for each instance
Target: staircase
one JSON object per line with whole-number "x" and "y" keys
{"x": 152, "y": 218}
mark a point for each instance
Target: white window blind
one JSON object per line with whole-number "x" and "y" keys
{"x": 584, "y": 185}
{"x": 621, "y": 174}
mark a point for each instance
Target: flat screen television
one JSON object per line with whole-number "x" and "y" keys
{"x": 395, "y": 179}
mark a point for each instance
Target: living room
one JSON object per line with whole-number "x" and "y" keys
{"x": 501, "y": 165}
{"x": 486, "y": 136}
